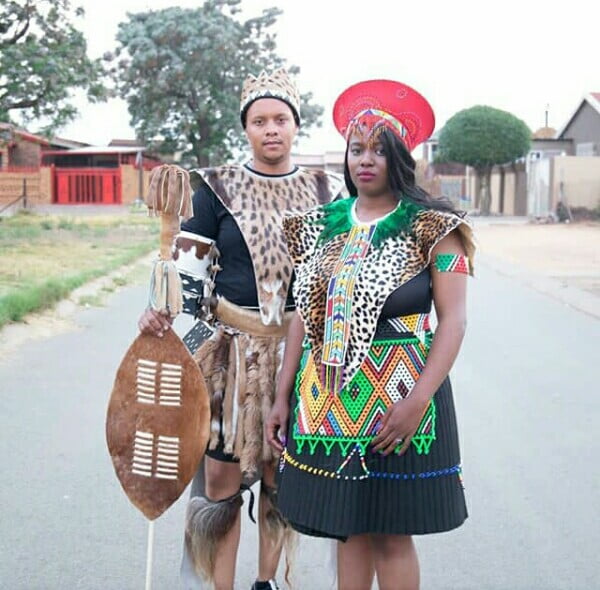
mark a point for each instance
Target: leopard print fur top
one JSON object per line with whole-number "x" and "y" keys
{"x": 258, "y": 203}
{"x": 398, "y": 259}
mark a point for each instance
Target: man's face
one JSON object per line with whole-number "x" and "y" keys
{"x": 271, "y": 129}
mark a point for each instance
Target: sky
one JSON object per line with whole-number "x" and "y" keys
{"x": 519, "y": 56}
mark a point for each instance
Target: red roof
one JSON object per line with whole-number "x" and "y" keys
{"x": 596, "y": 95}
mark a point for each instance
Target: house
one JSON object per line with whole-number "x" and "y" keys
{"x": 582, "y": 129}
{"x": 39, "y": 170}
{"x": 20, "y": 156}
{"x": 100, "y": 175}
{"x": 571, "y": 174}
{"x": 19, "y": 148}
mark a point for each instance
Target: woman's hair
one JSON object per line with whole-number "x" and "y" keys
{"x": 401, "y": 175}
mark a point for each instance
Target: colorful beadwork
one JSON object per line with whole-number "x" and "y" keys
{"x": 338, "y": 313}
{"x": 452, "y": 263}
{"x": 286, "y": 458}
{"x": 387, "y": 375}
{"x": 370, "y": 122}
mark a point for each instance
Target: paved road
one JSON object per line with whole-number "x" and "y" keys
{"x": 526, "y": 390}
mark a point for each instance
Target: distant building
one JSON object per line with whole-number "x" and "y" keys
{"x": 99, "y": 175}
{"x": 19, "y": 148}
{"x": 567, "y": 171}
{"x": 582, "y": 129}
{"x": 331, "y": 161}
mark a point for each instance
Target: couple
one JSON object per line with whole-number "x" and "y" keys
{"x": 350, "y": 426}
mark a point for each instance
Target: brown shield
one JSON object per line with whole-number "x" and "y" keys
{"x": 158, "y": 421}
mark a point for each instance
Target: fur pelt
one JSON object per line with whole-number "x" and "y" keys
{"x": 207, "y": 523}
{"x": 241, "y": 370}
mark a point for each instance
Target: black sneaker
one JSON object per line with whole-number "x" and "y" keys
{"x": 268, "y": 585}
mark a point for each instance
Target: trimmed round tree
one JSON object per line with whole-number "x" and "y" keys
{"x": 483, "y": 137}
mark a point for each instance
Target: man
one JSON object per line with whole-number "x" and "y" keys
{"x": 240, "y": 209}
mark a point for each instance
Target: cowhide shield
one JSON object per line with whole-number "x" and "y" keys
{"x": 157, "y": 424}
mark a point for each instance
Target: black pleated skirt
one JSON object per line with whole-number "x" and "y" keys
{"x": 412, "y": 494}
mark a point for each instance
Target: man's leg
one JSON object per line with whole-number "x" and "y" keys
{"x": 272, "y": 527}
{"x": 213, "y": 524}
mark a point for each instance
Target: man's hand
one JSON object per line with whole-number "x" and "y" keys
{"x": 154, "y": 322}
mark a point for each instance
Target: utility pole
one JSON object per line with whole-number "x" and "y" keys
{"x": 140, "y": 164}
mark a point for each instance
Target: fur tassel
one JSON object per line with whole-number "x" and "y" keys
{"x": 165, "y": 288}
{"x": 218, "y": 377}
{"x": 211, "y": 358}
{"x": 253, "y": 434}
{"x": 268, "y": 394}
{"x": 169, "y": 195}
{"x": 207, "y": 523}
{"x": 170, "y": 192}
{"x": 230, "y": 393}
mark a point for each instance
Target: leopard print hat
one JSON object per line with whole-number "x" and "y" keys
{"x": 276, "y": 85}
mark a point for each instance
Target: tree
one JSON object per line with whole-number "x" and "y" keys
{"x": 483, "y": 137}
{"x": 181, "y": 73}
{"x": 43, "y": 57}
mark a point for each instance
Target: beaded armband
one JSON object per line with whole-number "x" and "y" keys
{"x": 452, "y": 263}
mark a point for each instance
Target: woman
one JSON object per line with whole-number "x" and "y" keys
{"x": 371, "y": 456}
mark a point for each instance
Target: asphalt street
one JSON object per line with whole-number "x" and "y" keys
{"x": 526, "y": 389}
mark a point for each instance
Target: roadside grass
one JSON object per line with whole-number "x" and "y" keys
{"x": 44, "y": 258}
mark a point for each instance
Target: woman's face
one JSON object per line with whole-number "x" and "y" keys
{"x": 367, "y": 165}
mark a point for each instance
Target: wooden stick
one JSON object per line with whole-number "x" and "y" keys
{"x": 149, "y": 555}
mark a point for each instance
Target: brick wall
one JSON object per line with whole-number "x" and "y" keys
{"x": 25, "y": 153}
{"x": 130, "y": 183}
{"x": 11, "y": 186}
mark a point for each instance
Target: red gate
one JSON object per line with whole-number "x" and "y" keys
{"x": 101, "y": 186}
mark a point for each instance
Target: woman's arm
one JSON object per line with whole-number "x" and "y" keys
{"x": 276, "y": 425}
{"x": 449, "y": 296}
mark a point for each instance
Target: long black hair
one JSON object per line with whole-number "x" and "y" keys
{"x": 401, "y": 175}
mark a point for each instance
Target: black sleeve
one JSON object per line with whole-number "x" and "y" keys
{"x": 204, "y": 221}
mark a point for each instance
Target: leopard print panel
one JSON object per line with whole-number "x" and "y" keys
{"x": 383, "y": 270}
{"x": 258, "y": 204}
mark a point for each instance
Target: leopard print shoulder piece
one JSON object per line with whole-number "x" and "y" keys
{"x": 258, "y": 204}
{"x": 398, "y": 259}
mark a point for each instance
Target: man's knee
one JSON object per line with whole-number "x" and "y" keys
{"x": 222, "y": 479}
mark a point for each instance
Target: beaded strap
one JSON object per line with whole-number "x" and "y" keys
{"x": 286, "y": 458}
{"x": 339, "y": 304}
{"x": 452, "y": 263}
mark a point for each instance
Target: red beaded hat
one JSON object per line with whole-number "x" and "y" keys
{"x": 375, "y": 104}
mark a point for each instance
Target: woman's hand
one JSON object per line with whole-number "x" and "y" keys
{"x": 399, "y": 424}
{"x": 154, "y": 322}
{"x": 276, "y": 426}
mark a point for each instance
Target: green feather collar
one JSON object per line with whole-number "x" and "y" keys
{"x": 337, "y": 220}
